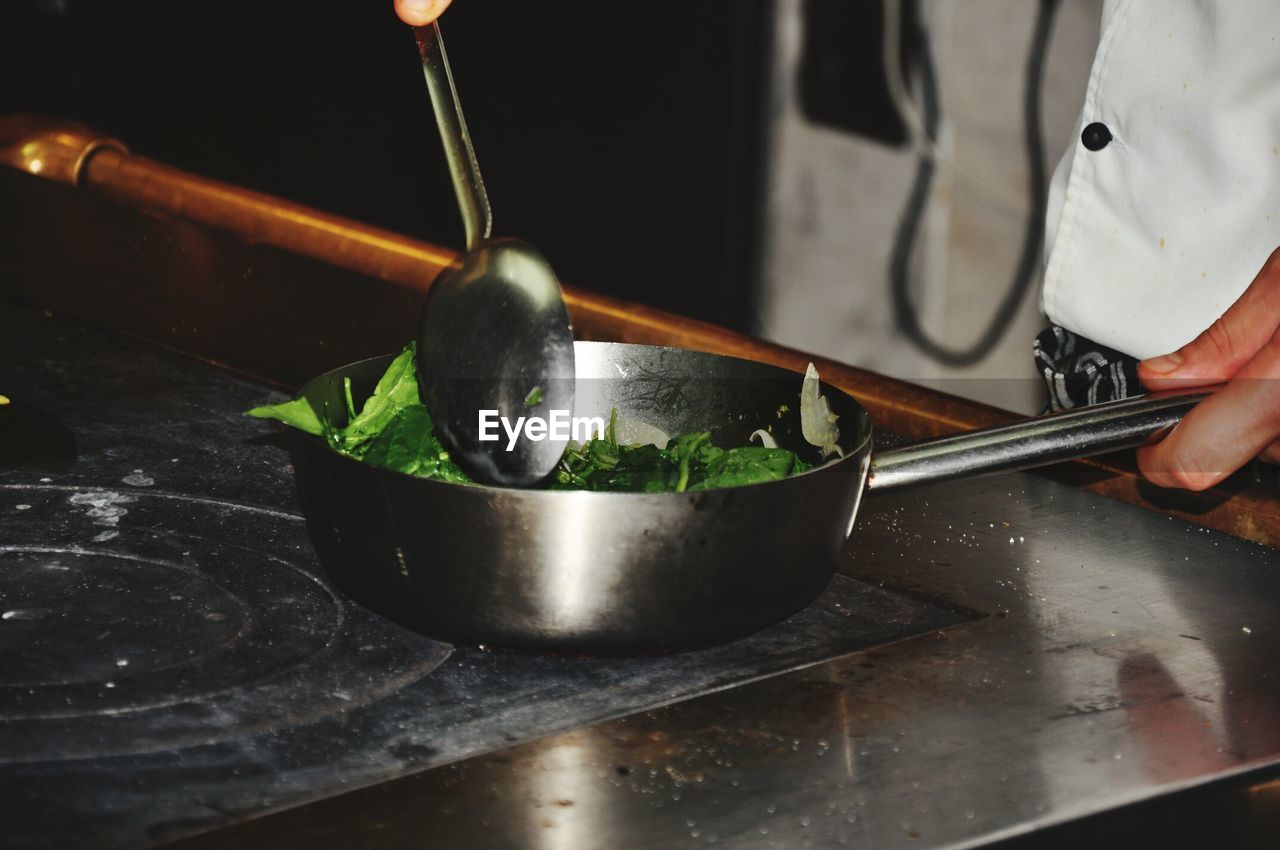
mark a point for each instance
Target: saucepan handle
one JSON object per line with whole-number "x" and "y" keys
{"x": 1087, "y": 431}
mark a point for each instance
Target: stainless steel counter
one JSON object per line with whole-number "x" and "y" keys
{"x": 1125, "y": 655}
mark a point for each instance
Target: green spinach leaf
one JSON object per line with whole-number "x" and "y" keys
{"x": 396, "y": 390}
{"x": 297, "y": 413}
{"x": 747, "y": 465}
{"x": 408, "y": 444}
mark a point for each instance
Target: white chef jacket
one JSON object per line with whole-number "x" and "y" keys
{"x": 1152, "y": 237}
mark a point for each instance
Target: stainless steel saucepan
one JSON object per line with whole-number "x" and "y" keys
{"x": 640, "y": 572}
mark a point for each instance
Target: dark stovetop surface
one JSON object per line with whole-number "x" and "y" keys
{"x": 173, "y": 659}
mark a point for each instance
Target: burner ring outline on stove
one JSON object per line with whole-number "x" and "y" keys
{"x": 318, "y": 669}
{"x": 246, "y": 624}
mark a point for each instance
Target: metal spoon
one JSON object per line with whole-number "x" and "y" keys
{"x": 495, "y": 333}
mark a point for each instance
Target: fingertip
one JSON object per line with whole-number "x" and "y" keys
{"x": 419, "y": 13}
{"x": 1149, "y": 468}
{"x": 1165, "y": 364}
{"x": 1157, "y": 373}
{"x": 1271, "y": 454}
{"x": 1154, "y": 380}
{"x": 1165, "y": 468}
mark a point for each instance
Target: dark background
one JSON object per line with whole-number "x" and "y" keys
{"x": 632, "y": 149}
{"x": 627, "y": 147}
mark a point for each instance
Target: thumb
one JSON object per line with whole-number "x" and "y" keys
{"x": 1219, "y": 352}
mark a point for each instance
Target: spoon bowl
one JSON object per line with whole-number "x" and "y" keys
{"x": 495, "y": 336}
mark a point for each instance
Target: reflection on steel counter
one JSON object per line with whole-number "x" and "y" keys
{"x": 1047, "y": 711}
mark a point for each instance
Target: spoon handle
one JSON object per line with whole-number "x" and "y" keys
{"x": 468, "y": 185}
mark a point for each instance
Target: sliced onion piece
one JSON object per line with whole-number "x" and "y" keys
{"x": 817, "y": 422}
{"x": 766, "y": 439}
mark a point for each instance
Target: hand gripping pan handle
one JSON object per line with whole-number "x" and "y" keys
{"x": 1096, "y": 429}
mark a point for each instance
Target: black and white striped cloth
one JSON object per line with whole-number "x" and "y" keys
{"x": 1078, "y": 371}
